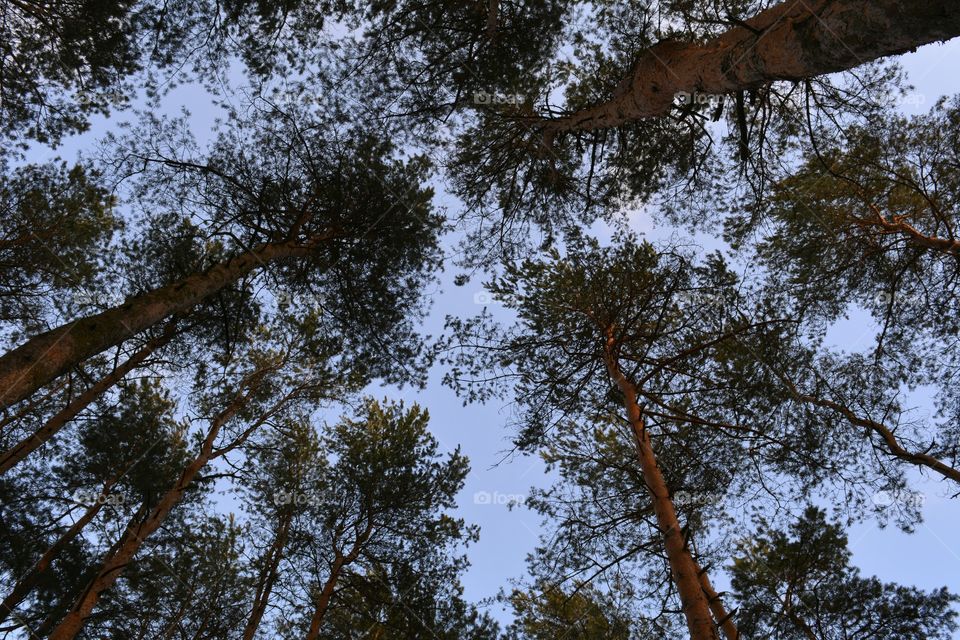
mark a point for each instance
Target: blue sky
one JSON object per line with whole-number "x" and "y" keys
{"x": 928, "y": 558}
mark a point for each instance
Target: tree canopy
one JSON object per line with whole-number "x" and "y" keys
{"x": 195, "y": 320}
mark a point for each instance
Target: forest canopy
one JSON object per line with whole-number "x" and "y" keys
{"x": 233, "y": 241}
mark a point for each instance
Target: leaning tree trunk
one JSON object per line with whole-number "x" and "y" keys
{"x": 28, "y": 582}
{"x": 138, "y": 530}
{"x": 43, "y": 358}
{"x": 723, "y": 617}
{"x": 793, "y": 40}
{"x": 685, "y": 572}
{"x": 15, "y": 454}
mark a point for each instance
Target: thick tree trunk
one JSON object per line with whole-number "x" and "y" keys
{"x": 793, "y": 40}
{"x": 45, "y": 357}
{"x": 685, "y": 572}
{"x": 15, "y": 454}
{"x": 268, "y": 576}
{"x": 138, "y": 530}
{"x": 26, "y": 584}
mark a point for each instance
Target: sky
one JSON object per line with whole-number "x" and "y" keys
{"x": 929, "y": 558}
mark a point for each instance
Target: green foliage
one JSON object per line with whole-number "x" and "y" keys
{"x": 373, "y": 489}
{"x": 799, "y": 583}
{"x": 354, "y": 110}
{"x": 192, "y": 584}
{"x": 581, "y": 615}
{"x": 55, "y": 224}
{"x": 65, "y": 62}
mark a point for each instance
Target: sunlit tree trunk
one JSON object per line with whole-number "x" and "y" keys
{"x": 322, "y": 602}
{"x": 685, "y": 572}
{"x": 793, "y": 40}
{"x": 139, "y": 529}
{"x": 723, "y": 618}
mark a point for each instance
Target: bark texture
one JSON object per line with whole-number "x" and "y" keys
{"x": 723, "y": 617}
{"x": 326, "y": 593}
{"x": 43, "y": 358}
{"x": 27, "y": 583}
{"x": 794, "y": 40}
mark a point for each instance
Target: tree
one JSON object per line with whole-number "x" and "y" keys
{"x": 613, "y": 106}
{"x": 118, "y": 465}
{"x": 192, "y": 584}
{"x": 269, "y": 383}
{"x": 548, "y": 612}
{"x": 785, "y": 42}
{"x": 56, "y": 220}
{"x": 799, "y": 583}
{"x": 407, "y": 599}
{"x": 382, "y": 504}
{"x": 703, "y": 374}
{"x": 867, "y": 223}
{"x": 281, "y": 469}
{"x": 311, "y": 205}
{"x": 62, "y": 63}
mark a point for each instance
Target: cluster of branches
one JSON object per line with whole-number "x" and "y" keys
{"x": 175, "y": 316}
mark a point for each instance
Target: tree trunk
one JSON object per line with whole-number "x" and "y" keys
{"x": 684, "y": 569}
{"x": 28, "y": 582}
{"x": 720, "y": 614}
{"x": 323, "y": 600}
{"x": 793, "y": 40}
{"x": 43, "y": 358}
{"x": 16, "y": 453}
{"x": 138, "y": 530}
{"x": 340, "y": 561}
{"x": 268, "y": 576}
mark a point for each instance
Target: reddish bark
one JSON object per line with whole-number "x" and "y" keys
{"x": 43, "y": 358}
{"x": 686, "y": 574}
{"x": 139, "y": 529}
{"x": 793, "y": 40}
{"x": 15, "y": 454}
{"x": 326, "y": 593}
